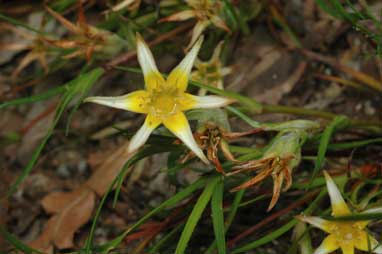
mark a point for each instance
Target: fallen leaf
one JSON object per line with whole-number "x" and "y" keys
{"x": 61, "y": 228}
{"x": 73, "y": 209}
{"x": 108, "y": 170}
{"x": 56, "y": 201}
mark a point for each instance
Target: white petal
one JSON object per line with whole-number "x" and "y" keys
{"x": 315, "y": 221}
{"x": 211, "y": 101}
{"x": 339, "y": 207}
{"x": 145, "y": 57}
{"x": 375, "y": 246}
{"x": 179, "y": 126}
{"x": 373, "y": 210}
{"x": 135, "y": 101}
{"x": 180, "y": 74}
{"x": 140, "y": 138}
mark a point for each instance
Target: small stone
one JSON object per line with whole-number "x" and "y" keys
{"x": 82, "y": 167}
{"x": 369, "y": 109}
{"x": 63, "y": 171}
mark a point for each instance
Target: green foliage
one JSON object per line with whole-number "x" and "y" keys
{"x": 355, "y": 16}
{"x": 337, "y": 123}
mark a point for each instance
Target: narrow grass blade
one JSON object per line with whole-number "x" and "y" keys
{"x": 354, "y": 144}
{"x": 231, "y": 215}
{"x": 16, "y": 242}
{"x": 268, "y": 238}
{"x": 218, "y": 217}
{"x": 237, "y": 18}
{"x": 328, "y": 8}
{"x": 21, "y": 24}
{"x": 244, "y": 117}
{"x": 337, "y": 123}
{"x": 31, "y": 99}
{"x": 155, "y": 249}
{"x": 196, "y": 214}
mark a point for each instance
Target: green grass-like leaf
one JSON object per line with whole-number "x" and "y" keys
{"x": 354, "y": 144}
{"x": 16, "y": 242}
{"x": 218, "y": 217}
{"x": 196, "y": 214}
{"x": 32, "y": 99}
{"x": 337, "y": 123}
{"x": 21, "y": 24}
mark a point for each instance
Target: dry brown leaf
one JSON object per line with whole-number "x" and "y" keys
{"x": 61, "y": 228}
{"x": 73, "y": 209}
{"x": 108, "y": 170}
{"x": 56, "y": 201}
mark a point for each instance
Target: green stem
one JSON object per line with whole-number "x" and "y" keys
{"x": 267, "y": 108}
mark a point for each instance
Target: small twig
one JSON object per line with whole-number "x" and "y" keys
{"x": 38, "y": 118}
{"x": 358, "y": 75}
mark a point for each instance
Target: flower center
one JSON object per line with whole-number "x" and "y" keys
{"x": 346, "y": 232}
{"x": 164, "y": 103}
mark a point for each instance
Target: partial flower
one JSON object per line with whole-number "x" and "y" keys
{"x": 205, "y": 11}
{"x": 347, "y": 235}
{"x": 164, "y": 100}
{"x": 87, "y": 40}
{"x": 302, "y": 238}
{"x": 278, "y": 161}
{"x": 211, "y": 72}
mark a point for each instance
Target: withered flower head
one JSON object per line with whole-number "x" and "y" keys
{"x": 213, "y": 135}
{"x": 32, "y": 42}
{"x": 278, "y": 161}
{"x": 205, "y": 11}
{"x": 281, "y": 156}
{"x": 87, "y": 40}
{"x": 211, "y": 72}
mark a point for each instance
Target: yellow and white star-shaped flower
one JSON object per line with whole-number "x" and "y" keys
{"x": 347, "y": 235}
{"x": 164, "y": 100}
